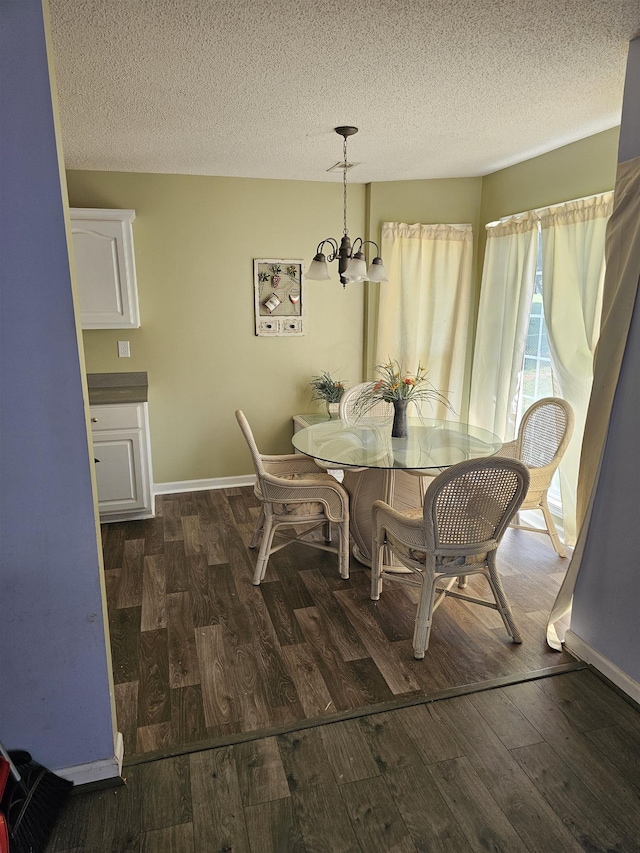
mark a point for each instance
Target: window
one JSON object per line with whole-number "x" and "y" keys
{"x": 536, "y": 378}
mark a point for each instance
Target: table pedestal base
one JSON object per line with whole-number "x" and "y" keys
{"x": 398, "y": 488}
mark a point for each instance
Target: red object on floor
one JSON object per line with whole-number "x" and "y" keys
{"x": 4, "y": 832}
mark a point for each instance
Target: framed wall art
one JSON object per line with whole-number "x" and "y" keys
{"x": 278, "y": 296}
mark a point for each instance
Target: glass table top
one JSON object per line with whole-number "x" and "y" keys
{"x": 368, "y": 444}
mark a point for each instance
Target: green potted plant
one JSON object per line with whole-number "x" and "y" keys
{"x": 328, "y": 390}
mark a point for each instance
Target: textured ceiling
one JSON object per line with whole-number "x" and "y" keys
{"x": 253, "y": 88}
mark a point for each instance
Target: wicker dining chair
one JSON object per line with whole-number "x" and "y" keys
{"x": 348, "y": 410}
{"x": 294, "y": 493}
{"x": 543, "y": 436}
{"x": 466, "y": 510}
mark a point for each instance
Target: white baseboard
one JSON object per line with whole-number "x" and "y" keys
{"x": 126, "y": 516}
{"x": 201, "y": 485}
{"x": 96, "y": 771}
{"x": 582, "y": 650}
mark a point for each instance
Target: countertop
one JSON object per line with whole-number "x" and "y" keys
{"x": 107, "y": 388}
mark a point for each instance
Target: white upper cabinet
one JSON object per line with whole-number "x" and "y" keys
{"x": 105, "y": 268}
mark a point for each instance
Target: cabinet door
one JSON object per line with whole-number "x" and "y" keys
{"x": 119, "y": 470}
{"x": 105, "y": 268}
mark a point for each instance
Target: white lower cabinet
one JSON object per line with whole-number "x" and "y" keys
{"x": 121, "y": 449}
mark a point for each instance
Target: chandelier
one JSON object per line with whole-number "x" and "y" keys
{"x": 352, "y": 265}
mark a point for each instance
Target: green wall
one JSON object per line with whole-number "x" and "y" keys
{"x": 195, "y": 239}
{"x": 580, "y": 169}
{"x": 577, "y": 170}
{"x": 452, "y": 200}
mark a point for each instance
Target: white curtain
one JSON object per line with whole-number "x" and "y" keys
{"x": 620, "y": 293}
{"x": 424, "y": 310}
{"x": 508, "y": 277}
{"x": 573, "y": 266}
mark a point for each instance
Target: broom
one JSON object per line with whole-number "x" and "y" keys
{"x": 32, "y": 803}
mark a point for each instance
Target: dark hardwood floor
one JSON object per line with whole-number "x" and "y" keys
{"x": 201, "y": 655}
{"x": 551, "y": 766}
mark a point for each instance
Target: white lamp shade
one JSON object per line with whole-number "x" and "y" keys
{"x": 376, "y": 271}
{"x": 356, "y": 270}
{"x": 318, "y": 270}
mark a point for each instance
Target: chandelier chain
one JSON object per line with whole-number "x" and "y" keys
{"x": 344, "y": 186}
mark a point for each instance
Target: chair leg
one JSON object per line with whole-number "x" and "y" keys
{"x": 504, "y": 607}
{"x": 265, "y": 547}
{"x": 376, "y": 570}
{"x": 551, "y": 527}
{"x": 424, "y": 616}
{"x": 462, "y": 582}
{"x": 255, "y": 536}
{"x": 343, "y": 553}
{"x": 327, "y": 532}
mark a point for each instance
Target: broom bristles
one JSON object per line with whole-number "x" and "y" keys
{"x": 34, "y": 805}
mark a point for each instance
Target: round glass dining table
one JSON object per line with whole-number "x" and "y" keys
{"x": 396, "y": 470}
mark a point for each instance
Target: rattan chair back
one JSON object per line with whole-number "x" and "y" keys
{"x": 253, "y": 447}
{"x": 545, "y": 431}
{"x": 468, "y": 507}
{"x": 349, "y": 409}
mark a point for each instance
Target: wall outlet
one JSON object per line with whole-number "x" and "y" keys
{"x": 123, "y": 349}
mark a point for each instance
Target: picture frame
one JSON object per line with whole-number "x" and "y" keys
{"x": 279, "y": 302}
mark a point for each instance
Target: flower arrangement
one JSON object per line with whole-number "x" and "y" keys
{"x": 326, "y": 388}
{"x": 396, "y": 385}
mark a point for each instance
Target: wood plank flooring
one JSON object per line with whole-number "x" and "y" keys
{"x": 200, "y": 653}
{"x": 547, "y": 766}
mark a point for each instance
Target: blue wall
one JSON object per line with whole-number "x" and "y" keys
{"x": 54, "y": 682}
{"x": 606, "y": 607}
